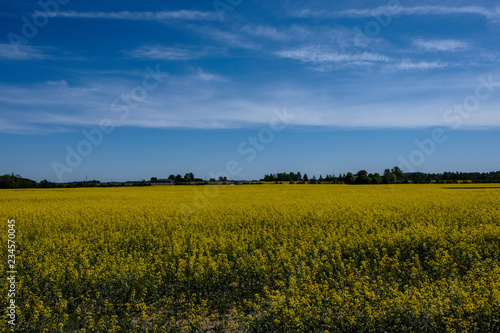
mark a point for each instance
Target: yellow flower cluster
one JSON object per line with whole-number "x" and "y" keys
{"x": 258, "y": 258}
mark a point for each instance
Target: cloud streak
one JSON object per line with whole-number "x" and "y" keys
{"x": 266, "y": 31}
{"x": 400, "y": 10}
{"x": 228, "y": 39}
{"x": 186, "y": 15}
{"x": 208, "y": 100}
{"x": 318, "y": 55}
{"x": 419, "y": 65}
{"x": 441, "y": 44}
{"x": 159, "y": 52}
{"x": 24, "y": 52}
{"x": 209, "y": 77}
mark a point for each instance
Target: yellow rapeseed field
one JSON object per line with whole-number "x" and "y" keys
{"x": 256, "y": 258}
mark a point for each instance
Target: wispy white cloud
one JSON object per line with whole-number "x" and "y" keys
{"x": 200, "y": 100}
{"x": 160, "y": 52}
{"x": 24, "y": 52}
{"x": 307, "y": 13}
{"x": 319, "y": 55}
{"x": 48, "y": 94}
{"x": 229, "y": 39}
{"x": 400, "y": 10}
{"x": 336, "y": 37}
{"x": 443, "y": 10}
{"x": 41, "y": 108}
{"x": 266, "y": 32}
{"x": 299, "y": 33}
{"x": 419, "y": 65}
{"x": 324, "y": 60}
{"x": 62, "y": 86}
{"x": 188, "y": 15}
{"x": 27, "y": 129}
{"x": 209, "y": 77}
{"x": 441, "y": 44}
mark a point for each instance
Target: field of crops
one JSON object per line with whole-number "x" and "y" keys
{"x": 256, "y": 258}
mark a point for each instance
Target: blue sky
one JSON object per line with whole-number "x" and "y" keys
{"x": 121, "y": 90}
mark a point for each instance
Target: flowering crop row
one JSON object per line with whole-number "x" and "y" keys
{"x": 258, "y": 258}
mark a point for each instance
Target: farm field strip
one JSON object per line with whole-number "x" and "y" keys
{"x": 259, "y": 258}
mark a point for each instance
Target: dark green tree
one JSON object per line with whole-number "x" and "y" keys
{"x": 389, "y": 177}
{"x": 46, "y": 184}
{"x": 400, "y": 177}
{"x": 362, "y": 177}
{"x": 376, "y": 179}
{"x": 349, "y": 178}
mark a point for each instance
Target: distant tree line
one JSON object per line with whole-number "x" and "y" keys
{"x": 91, "y": 183}
{"x": 188, "y": 179}
{"x": 447, "y": 177}
{"x": 16, "y": 181}
{"x": 178, "y": 179}
{"x": 389, "y": 176}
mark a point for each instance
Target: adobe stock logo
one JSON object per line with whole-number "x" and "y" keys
{"x": 374, "y": 27}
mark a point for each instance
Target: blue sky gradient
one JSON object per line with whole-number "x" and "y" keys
{"x": 310, "y": 86}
